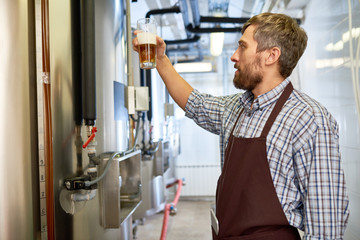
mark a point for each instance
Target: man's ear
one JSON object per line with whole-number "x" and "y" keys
{"x": 272, "y": 55}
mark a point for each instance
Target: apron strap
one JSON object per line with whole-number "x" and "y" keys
{"x": 278, "y": 106}
{"x": 237, "y": 119}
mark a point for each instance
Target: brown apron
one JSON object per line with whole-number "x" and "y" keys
{"x": 247, "y": 206}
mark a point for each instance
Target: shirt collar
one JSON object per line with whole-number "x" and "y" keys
{"x": 263, "y": 100}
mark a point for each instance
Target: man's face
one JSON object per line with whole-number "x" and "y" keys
{"x": 247, "y": 62}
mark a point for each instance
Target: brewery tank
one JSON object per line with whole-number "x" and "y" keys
{"x": 19, "y": 206}
{"x": 20, "y": 211}
{"x": 21, "y": 101}
{"x": 112, "y": 118}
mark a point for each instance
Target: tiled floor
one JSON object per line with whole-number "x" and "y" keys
{"x": 192, "y": 221}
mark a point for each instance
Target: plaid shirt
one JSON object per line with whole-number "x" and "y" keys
{"x": 302, "y": 151}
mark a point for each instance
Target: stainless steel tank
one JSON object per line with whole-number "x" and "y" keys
{"x": 19, "y": 129}
{"x": 19, "y": 207}
{"x": 113, "y": 129}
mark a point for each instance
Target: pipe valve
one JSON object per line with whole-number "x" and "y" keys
{"x": 77, "y": 183}
{"x": 92, "y": 136}
{"x": 173, "y": 210}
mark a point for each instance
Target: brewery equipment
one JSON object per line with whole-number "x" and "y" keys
{"x": 71, "y": 133}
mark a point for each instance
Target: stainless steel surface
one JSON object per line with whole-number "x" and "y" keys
{"x": 62, "y": 111}
{"x": 109, "y": 189}
{"x": 19, "y": 210}
{"x": 153, "y": 192}
{"x": 131, "y": 186}
{"x": 146, "y": 177}
{"x": 120, "y": 189}
{"x": 130, "y": 174}
{"x": 127, "y": 229}
{"x": 162, "y": 158}
{"x": 158, "y": 199}
{"x": 111, "y": 62}
{"x": 112, "y": 134}
{"x": 174, "y": 151}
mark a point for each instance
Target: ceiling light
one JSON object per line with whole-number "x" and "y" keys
{"x": 216, "y": 43}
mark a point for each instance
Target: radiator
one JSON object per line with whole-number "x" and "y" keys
{"x": 200, "y": 180}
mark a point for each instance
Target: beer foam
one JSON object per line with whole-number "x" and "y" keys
{"x": 146, "y": 37}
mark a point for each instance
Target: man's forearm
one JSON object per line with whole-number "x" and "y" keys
{"x": 178, "y": 88}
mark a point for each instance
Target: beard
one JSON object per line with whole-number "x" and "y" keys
{"x": 249, "y": 77}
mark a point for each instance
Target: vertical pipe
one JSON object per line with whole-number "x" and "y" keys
{"x": 185, "y": 13}
{"x": 148, "y": 84}
{"x": 129, "y": 45}
{"x": 33, "y": 121}
{"x": 195, "y": 12}
{"x": 77, "y": 80}
{"x": 167, "y": 96}
{"x": 47, "y": 119}
{"x": 76, "y": 60}
{"x": 88, "y": 61}
{"x": 142, "y": 77}
{"x": 130, "y": 74}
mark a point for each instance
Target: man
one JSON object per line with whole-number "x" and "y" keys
{"x": 279, "y": 148}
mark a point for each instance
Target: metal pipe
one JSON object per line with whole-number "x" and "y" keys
{"x": 78, "y": 146}
{"x": 191, "y": 29}
{"x": 198, "y": 59}
{"x": 76, "y": 61}
{"x": 130, "y": 150}
{"x": 186, "y": 49}
{"x": 210, "y": 19}
{"x": 49, "y": 164}
{"x": 129, "y": 45}
{"x": 174, "y": 9}
{"x": 88, "y": 61}
{"x": 148, "y": 84}
{"x": 195, "y": 12}
{"x": 79, "y": 197}
{"x": 92, "y": 182}
{"x": 152, "y": 151}
{"x": 185, "y": 15}
{"x": 183, "y": 41}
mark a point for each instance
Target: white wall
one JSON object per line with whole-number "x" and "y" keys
{"x": 199, "y": 161}
{"x": 326, "y": 22}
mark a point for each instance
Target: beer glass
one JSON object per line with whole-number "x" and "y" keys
{"x": 147, "y": 42}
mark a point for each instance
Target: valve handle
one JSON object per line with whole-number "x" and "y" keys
{"x": 93, "y": 131}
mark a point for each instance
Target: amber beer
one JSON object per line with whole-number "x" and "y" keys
{"x": 147, "y": 50}
{"x": 147, "y": 42}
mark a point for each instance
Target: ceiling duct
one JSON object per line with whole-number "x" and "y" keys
{"x": 214, "y": 6}
{"x": 175, "y": 9}
{"x": 207, "y": 24}
{"x": 198, "y": 19}
{"x": 191, "y": 38}
{"x": 194, "y": 29}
